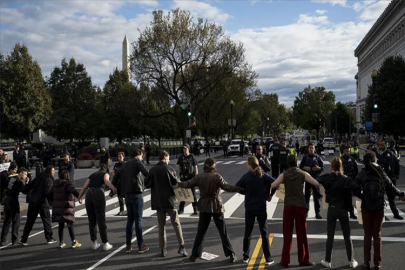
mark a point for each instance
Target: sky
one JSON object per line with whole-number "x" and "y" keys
{"x": 290, "y": 44}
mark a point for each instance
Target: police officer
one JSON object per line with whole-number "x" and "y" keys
{"x": 147, "y": 149}
{"x": 284, "y": 152}
{"x": 264, "y": 162}
{"x": 187, "y": 164}
{"x": 354, "y": 150}
{"x": 319, "y": 147}
{"x": 350, "y": 169}
{"x": 297, "y": 146}
{"x": 371, "y": 147}
{"x": 274, "y": 151}
{"x": 343, "y": 145}
{"x": 312, "y": 164}
{"x": 291, "y": 149}
{"x": 225, "y": 148}
{"x": 196, "y": 150}
{"x": 388, "y": 161}
{"x": 254, "y": 146}
{"x": 241, "y": 147}
{"x": 267, "y": 144}
{"x": 394, "y": 148}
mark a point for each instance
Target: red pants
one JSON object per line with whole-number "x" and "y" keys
{"x": 298, "y": 214}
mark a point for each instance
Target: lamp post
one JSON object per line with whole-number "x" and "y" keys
{"x": 374, "y": 78}
{"x": 232, "y": 132}
{"x": 268, "y": 126}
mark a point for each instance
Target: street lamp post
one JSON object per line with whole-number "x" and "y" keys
{"x": 374, "y": 78}
{"x": 232, "y": 132}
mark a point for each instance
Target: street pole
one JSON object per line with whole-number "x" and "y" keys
{"x": 350, "y": 125}
{"x": 232, "y": 131}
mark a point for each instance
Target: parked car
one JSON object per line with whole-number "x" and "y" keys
{"x": 234, "y": 146}
{"x": 328, "y": 143}
{"x": 137, "y": 142}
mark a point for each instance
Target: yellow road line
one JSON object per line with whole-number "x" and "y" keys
{"x": 254, "y": 255}
{"x": 263, "y": 260}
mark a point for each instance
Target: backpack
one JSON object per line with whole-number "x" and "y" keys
{"x": 373, "y": 196}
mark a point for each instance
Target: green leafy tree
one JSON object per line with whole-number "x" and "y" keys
{"x": 390, "y": 88}
{"x": 312, "y": 108}
{"x": 26, "y": 101}
{"x": 74, "y": 102}
{"x": 344, "y": 117}
{"x": 186, "y": 59}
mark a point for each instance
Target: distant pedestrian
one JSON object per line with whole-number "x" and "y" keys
{"x": 207, "y": 148}
{"x": 294, "y": 211}
{"x": 338, "y": 189}
{"x": 63, "y": 207}
{"x": 12, "y": 207}
{"x": 147, "y": 150}
{"x": 132, "y": 187}
{"x": 40, "y": 202}
{"x": 105, "y": 158}
{"x": 95, "y": 205}
{"x": 297, "y": 146}
{"x": 160, "y": 180}
{"x": 67, "y": 165}
{"x": 210, "y": 206}
{"x": 256, "y": 185}
{"x": 374, "y": 183}
{"x": 241, "y": 148}
{"x": 117, "y": 184}
{"x": 225, "y": 148}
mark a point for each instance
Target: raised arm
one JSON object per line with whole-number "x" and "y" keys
{"x": 311, "y": 180}
{"x": 278, "y": 181}
{"x": 84, "y": 188}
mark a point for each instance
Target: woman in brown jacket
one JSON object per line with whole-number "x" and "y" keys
{"x": 210, "y": 206}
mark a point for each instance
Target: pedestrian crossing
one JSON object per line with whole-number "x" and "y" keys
{"x": 233, "y": 204}
{"x": 241, "y": 162}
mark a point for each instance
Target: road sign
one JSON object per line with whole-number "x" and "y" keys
{"x": 369, "y": 126}
{"x": 233, "y": 122}
{"x": 183, "y": 106}
{"x": 188, "y": 133}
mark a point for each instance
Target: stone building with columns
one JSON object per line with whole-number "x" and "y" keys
{"x": 385, "y": 38}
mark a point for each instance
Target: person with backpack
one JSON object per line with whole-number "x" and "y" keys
{"x": 374, "y": 183}
{"x": 338, "y": 189}
{"x": 63, "y": 207}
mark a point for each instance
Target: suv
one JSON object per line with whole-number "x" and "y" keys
{"x": 329, "y": 143}
{"x": 234, "y": 147}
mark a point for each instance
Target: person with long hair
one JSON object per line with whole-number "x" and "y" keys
{"x": 95, "y": 205}
{"x": 294, "y": 211}
{"x": 374, "y": 183}
{"x": 257, "y": 190}
{"x": 338, "y": 190}
{"x": 63, "y": 207}
{"x": 210, "y": 206}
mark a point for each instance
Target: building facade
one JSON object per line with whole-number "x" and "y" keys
{"x": 385, "y": 38}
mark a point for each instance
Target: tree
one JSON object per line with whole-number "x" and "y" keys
{"x": 74, "y": 102}
{"x": 185, "y": 59}
{"x": 26, "y": 101}
{"x": 312, "y": 108}
{"x": 344, "y": 116}
{"x": 390, "y": 89}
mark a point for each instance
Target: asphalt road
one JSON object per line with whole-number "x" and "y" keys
{"x": 39, "y": 255}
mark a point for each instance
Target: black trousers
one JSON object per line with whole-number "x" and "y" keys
{"x": 203, "y": 223}
{"x": 333, "y": 215}
{"x": 274, "y": 169}
{"x": 317, "y": 195}
{"x": 11, "y": 215}
{"x": 249, "y": 223}
{"x": 95, "y": 208}
{"x": 33, "y": 211}
{"x": 70, "y": 229}
{"x": 391, "y": 199}
{"x": 283, "y": 167}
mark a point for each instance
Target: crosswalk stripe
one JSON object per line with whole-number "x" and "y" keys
{"x": 219, "y": 161}
{"x": 241, "y": 162}
{"x": 232, "y": 204}
{"x": 229, "y": 162}
{"x": 271, "y": 207}
{"x": 311, "y": 212}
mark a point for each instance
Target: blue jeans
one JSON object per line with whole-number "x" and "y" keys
{"x": 134, "y": 203}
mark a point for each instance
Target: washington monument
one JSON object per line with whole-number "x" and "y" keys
{"x": 125, "y": 54}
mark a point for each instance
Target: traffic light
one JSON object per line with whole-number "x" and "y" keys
{"x": 193, "y": 121}
{"x": 375, "y": 101}
{"x": 189, "y": 110}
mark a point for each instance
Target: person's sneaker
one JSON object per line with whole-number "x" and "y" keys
{"x": 51, "y": 241}
{"x": 23, "y": 243}
{"x": 353, "y": 264}
{"x": 318, "y": 216}
{"x": 182, "y": 251}
{"x": 192, "y": 258}
{"x": 307, "y": 264}
{"x": 143, "y": 249}
{"x": 232, "y": 258}
{"x": 163, "y": 252}
{"x": 62, "y": 244}
{"x": 399, "y": 217}
{"x": 269, "y": 262}
{"x": 107, "y": 246}
{"x": 76, "y": 244}
{"x": 366, "y": 266}
{"x": 353, "y": 216}
{"x": 3, "y": 243}
{"x": 245, "y": 260}
{"x": 326, "y": 264}
{"x": 128, "y": 249}
{"x": 95, "y": 245}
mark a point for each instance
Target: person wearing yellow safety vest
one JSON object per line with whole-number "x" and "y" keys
{"x": 291, "y": 149}
{"x": 354, "y": 150}
{"x": 342, "y": 146}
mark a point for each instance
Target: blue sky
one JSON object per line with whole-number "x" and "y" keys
{"x": 289, "y": 43}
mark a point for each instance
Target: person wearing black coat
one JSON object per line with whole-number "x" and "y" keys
{"x": 338, "y": 190}
{"x": 63, "y": 207}
{"x": 161, "y": 179}
{"x": 39, "y": 203}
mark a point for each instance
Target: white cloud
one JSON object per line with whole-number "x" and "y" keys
{"x": 333, "y": 2}
{"x": 320, "y": 12}
{"x": 201, "y": 9}
{"x": 150, "y": 3}
{"x": 372, "y": 12}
